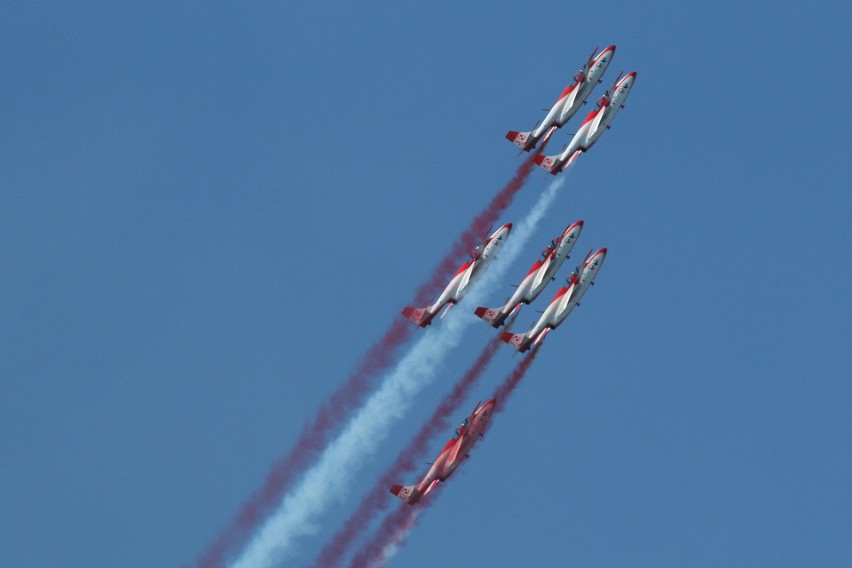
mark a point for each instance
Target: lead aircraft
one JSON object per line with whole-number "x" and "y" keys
{"x": 538, "y": 277}
{"x": 454, "y": 452}
{"x": 568, "y": 103}
{"x": 595, "y": 124}
{"x": 480, "y": 258}
{"x": 561, "y": 305}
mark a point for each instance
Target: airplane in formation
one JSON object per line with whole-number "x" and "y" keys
{"x": 561, "y": 305}
{"x": 537, "y": 278}
{"x": 480, "y": 258}
{"x": 593, "y": 127}
{"x": 568, "y": 103}
{"x": 453, "y": 454}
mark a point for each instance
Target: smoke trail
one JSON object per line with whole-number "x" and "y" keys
{"x": 395, "y": 528}
{"x": 327, "y": 480}
{"x": 378, "y": 499}
{"x": 344, "y": 400}
{"x": 392, "y": 547}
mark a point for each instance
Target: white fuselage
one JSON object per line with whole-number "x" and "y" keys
{"x": 575, "y": 95}
{"x": 470, "y": 271}
{"x": 598, "y": 120}
{"x": 542, "y": 272}
{"x": 567, "y": 298}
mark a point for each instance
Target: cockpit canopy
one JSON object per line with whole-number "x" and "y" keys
{"x": 462, "y": 427}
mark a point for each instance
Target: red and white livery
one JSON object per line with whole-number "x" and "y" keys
{"x": 595, "y": 124}
{"x": 537, "y": 278}
{"x": 568, "y": 103}
{"x": 561, "y": 304}
{"x": 456, "y": 450}
{"x": 480, "y": 258}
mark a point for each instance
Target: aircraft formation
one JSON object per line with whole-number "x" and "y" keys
{"x": 543, "y": 270}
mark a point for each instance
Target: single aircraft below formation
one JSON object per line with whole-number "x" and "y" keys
{"x": 568, "y": 103}
{"x": 480, "y": 258}
{"x": 595, "y": 124}
{"x": 537, "y": 278}
{"x": 561, "y": 304}
{"x": 456, "y": 450}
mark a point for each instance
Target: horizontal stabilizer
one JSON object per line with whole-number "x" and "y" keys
{"x": 518, "y": 341}
{"x": 518, "y": 138}
{"x": 548, "y": 163}
{"x": 402, "y": 491}
{"x": 420, "y": 316}
{"x": 491, "y": 315}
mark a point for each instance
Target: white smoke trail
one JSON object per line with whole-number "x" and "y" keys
{"x": 397, "y": 540}
{"x": 328, "y": 481}
{"x": 400, "y": 535}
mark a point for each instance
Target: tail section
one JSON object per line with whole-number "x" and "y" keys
{"x": 402, "y": 491}
{"x": 548, "y": 163}
{"x": 420, "y": 316}
{"x": 518, "y": 138}
{"x": 494, "y": 316}
{"x": 518, "y": 341}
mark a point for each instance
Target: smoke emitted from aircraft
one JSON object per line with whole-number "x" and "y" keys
{"x": 508, "y": 386}
{"x": 330, "y": 476}
{"x": 394, "y": 530}
{"x": 311, "y": 441}
{"x": 378, "y": 499}
{"x": 315, "y": 435}
{"x": 391, "y": 534}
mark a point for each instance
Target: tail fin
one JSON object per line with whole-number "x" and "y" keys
{"x": 548, "y": 163}
{"x": 518, "y": 341}
{"x": 420, "y": 316}
{"x": 494, "y": 316}
{"x": 402, "y": 491}
{"x": 518, "y": 138}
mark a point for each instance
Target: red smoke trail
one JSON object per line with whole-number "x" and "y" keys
{"x": 508, "y": 387}
{"x": 349, "y": 396}
{"x": 379, "y": 498}
{"x": 398, "y": 524}
{"x": 393, "y": 530}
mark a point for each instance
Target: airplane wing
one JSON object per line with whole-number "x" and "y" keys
{"x": 541, "y": 272}
{"x": 466, "y": 277}
{"x": 597, "y": 122}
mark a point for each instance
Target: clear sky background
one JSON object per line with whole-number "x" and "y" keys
{"x": 210, "y": 210}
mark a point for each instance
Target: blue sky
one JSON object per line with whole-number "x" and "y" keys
{"x": 209, "y": 211}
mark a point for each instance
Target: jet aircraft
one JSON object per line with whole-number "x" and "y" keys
{"x": 538, "y": 276}
{"x": 561, "y": 304}
{"x": 595, "y": 124}
{"x": 480, "y": 258}
{"x": 454, "y": 452}
{"x": 568, "y": 103}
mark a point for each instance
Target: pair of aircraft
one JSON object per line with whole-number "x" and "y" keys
{"x": 568, "y": 104}
{"x": 538, "y": 276}
{"x": 565, "y": 300}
